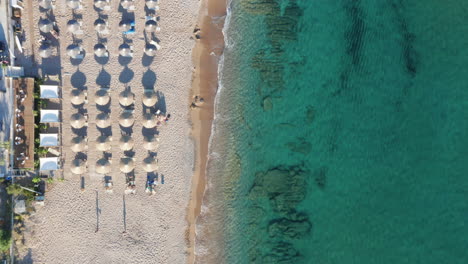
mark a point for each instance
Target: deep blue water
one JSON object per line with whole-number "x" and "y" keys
{"x": 341, "y": 134}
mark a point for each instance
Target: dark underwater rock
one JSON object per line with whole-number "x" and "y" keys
{"x": 290, "y": 228}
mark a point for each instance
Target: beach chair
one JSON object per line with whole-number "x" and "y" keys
{"x": 131, "y": 30}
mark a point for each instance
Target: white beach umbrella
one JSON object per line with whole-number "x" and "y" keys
{"x": 125, "y": 50}
{"x": 151, "y": 4}
{"x": 73, "y": 4}
{"x": 77, "y": 120}
{"x": 100, "y": 26}
{"x": 103, "y": 143}
{"x": 150, "y": 98}
{"x": 100, "y": 50}
{"x": 125, "y": 26}
{"x": 150, "y": 143}
{"x": 45, "y": 25}
{"x": 45, "y": 51}
{"x": 126, "y": 119}
{"x": 73, "y": 51}
{"x": 73, "y": 26}
{"x": 149, "y": 120}
{"x": 127, "y": 4}
{"x": 78, "y": 144}
{"x": 126, "y": 165}
{"x": 77, "y": 97}
{"x": 150, "y": 26}
{"x": 103, "y": 120}
{"x": 126, "y": 98}
{"x": 150, "y": 164}
{"x": 126, "y": 143}
{"x": 78, "y": 166}
{"x": 46, "y": 4}
{"x": 100, "y": 4}
{"x": 150, "y": 50}
{"x": 102, "y": 97}
{"x": 103, "y": 166}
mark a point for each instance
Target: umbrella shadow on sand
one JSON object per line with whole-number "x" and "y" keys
{"x": 126, "y": 75}
{"x": 103, "y": 79}
{"x": 149, "y": 79}
{"x": 78, "y": 79}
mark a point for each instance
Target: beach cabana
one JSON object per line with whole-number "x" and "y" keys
{"x": 77, "y": 97}
{"x": 103, "y": 166}
{"x": 103, "y": 120}
{"x": 49, "y": 91}
{"x": 127, "y": 165}
{"x": 48, "y": 140}
{"x": 50, "y": 116}
{"x": 149, "y": 98}
{"x": 45, "y": 25}
{"x": 45, "y": 4}
{"x": 151, "y": 25}
{"x": 100, "y": 50}
{"x": 102, "y": 97}
{"x": 126, "y": 98}
{"x": 150, "y": 164}
{"x": 74, "y": 4}
{"x": 150, "y": 50}
{"x": 149, "y": 120}
{"x": 78, "y": 144}
{"x": 45, "y": 51}
{"x": 102, "y": 4}
{"x": 78, "y": 166}
{"x": 152, "y": 4}
{"x": 126, "y": 119}
{"x": 48, "y": 164}
{"x": 127, "y": 4}
{"x": 74, "y": 51}
{"x": 126, "y": 143}
{"x": 103, "y": 143}
{"x": 77, "y": 120}
{"x": 101, "y": 26}
{"x": 73, "y": 26}
{"x": 125, "y": 50}
{"x": 150, "y": 143}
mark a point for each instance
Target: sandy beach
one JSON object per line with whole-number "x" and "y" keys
{"x": 93, "y": 226}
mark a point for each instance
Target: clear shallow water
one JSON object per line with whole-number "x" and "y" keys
{"x": 341, "y": 134}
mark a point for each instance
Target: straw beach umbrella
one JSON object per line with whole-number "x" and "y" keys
{"x": 150, "y": 25}
{"x": 73, "y": 4}
{"x": 126, "y": 98}
{"x": 100, "y": 50}
{"x": 45, "y": 51}
{"x": 73, "y": 51}
{"x": 46, "y": 4}
{"x": 150, "y": 50}
{"x": 126, "y": 143}
{"x": 45, "y": 25}
{"x": 77, "y": 97}
{"x": 103, "y": 166}
{"x": 102, "y": 97}
{"x": 78, "y": 166}
{"x": 103, "y": 143}
{"x": 149, "y": 120}
{"x": 150, "y": 164}
{"x": 100, "y": 26}
{"x": 126, "y": 165}
{"x": 125, "y": 50}
{"x": 78, "y": 144}
{"x": 150, "y": 143}
{"x": 150, "y": 98}
{"x": 151, "y": 4}
{"x": 77, "y": 120}
{"x": 73, "y": 26}
{"x": 125, "y": 26}
{"x": 127, "y": 4}
{"x": 126, "y": 119}
{"x": 103, "y": 120}
{"x": 100, "y": 4}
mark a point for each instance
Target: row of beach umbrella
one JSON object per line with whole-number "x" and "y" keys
{"x": 103, "y": 165}
{"x": 100, "y": 4}
{"x": 102, "y": 97}
{"x": 100, "y": 25}
{"x": 126, "y": 119}
{"x": 79, "y": 144}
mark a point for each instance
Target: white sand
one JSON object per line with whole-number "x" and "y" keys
{"x": 64, "y": 230}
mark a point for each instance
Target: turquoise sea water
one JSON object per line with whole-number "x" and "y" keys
{"x": 341, "y": 134}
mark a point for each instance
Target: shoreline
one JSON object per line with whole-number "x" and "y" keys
{"x": 205, "y": 58}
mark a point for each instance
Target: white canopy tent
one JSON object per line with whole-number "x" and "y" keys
{"x": 47, "y": 164}
{"x": 48, "y": 140}
{"x": 49, "y": 91}
{"x": 50, "y": 116}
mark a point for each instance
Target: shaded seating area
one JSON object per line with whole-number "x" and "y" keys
{"x": 23, "y": 122}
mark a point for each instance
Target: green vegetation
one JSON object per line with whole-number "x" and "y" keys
{"x": 5, "y": 239}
